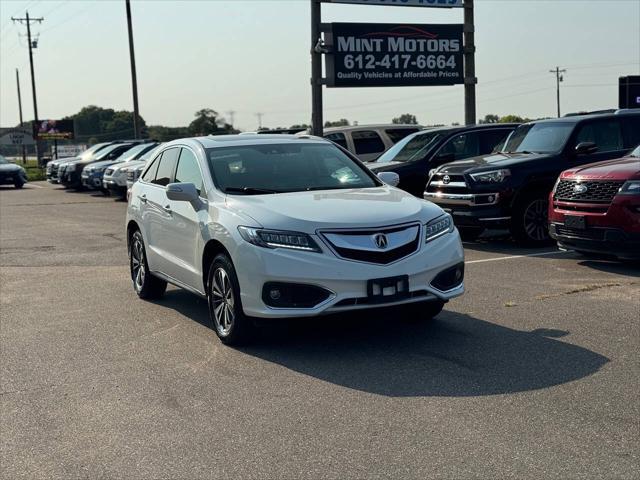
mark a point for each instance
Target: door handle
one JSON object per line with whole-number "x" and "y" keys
{"x": 143, "y": 198}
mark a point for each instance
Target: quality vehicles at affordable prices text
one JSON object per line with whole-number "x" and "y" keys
{"x": 511, "y": 189}
{"x": 284, "y": 226}
{"x": 596, "y": 208}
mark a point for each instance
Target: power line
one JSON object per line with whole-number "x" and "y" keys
{"x": 559, "y": 78}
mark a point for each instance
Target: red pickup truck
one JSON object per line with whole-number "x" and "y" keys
{"x": 596, "y": 208}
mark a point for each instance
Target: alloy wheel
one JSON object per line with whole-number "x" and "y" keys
{"x": 137, "y": 264}
{"x": 222, "y": 301}
{"x": 536, "y": 219}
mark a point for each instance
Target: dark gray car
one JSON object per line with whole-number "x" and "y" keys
{"x": 12, "y": 174}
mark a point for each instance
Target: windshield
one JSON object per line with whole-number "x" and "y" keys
{"x": 636, "y": 152}
{"x": 410, "y": 148}
{"x": 106, "y": 151}
{"x": 278, "y": 168}
{"x": 88, "y": 153}
{"x": 539, "y": 138}
{"x": 134, "y": 152}
{"x": 150, "y": 153}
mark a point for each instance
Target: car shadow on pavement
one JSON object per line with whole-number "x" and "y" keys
{"x": 618, "y": 267}
{"x": 383, "y": 353}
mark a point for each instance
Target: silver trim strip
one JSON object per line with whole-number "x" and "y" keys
{"x": 494, "y": 219}
{"x": 438, "y": 183}
{"x": 461, "y": 198}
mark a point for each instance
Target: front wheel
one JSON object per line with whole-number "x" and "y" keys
{"x": 18, "y": 184}
{"x": 530, "y": 221}
{"x": 145, "y": 284}
{"x": 232, "y": 326}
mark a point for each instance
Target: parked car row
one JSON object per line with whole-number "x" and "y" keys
{"x": 103, "y": 167}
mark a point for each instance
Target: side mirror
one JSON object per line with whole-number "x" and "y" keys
{"x": 586, "y": 148}
{"x": 390, "y": 178}
{"x": 184, "y": 192}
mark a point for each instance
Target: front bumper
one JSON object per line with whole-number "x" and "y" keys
{"x": 345, "y": 280}
{"x": 474, "y": 209}
{"x": 615, "y": 230}
{"x": 92, "y": 181}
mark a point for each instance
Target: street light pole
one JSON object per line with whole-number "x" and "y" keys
{"x": 134, "y": 79}
{"x": 316, "y": 70}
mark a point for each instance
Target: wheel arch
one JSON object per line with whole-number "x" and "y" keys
{"x": 538, "y": 185}
{"x": 132, "y": 226}
{"x": 209, "y": 252}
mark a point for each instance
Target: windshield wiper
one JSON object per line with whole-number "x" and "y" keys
{"x": 250, "y": 190}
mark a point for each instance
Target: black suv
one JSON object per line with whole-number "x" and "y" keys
{"x": 511, "y": 189}
{"x": 414, "y": 156}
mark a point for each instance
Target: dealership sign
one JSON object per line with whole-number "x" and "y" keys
{"x": 394, "y": 55}
{"x": 53, "y": 129}
{"x": 12, "y": 136}
{"x": 405, "y": 3}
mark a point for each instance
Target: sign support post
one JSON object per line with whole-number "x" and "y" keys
{"x": 470, "y": 79}
{"x": 316, "y": 70}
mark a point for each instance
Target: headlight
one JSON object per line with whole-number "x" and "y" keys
{"x": 279, "y": 239}
{"x": 492, "y": 176}
{"x": 438, "y": 227}
{"x": 632, "y": 187}
{"x": 432, "y": 171}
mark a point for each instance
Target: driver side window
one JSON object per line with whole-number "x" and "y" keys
{"x": 461, "y": 146}
{"x": 607, "y": 135}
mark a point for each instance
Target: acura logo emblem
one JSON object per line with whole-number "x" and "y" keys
{"x": 579, "y": 188}
{"x": 380, "y": 240}
{"x": 446, "y": 179}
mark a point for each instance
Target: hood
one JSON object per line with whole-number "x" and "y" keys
{"x": 10, "y": 167}
{"x": 348, "y": 208}
{"x": 384, "y": 167}
{"x": 58, "y": 161}
{"x": 496, "y": 160}
{"x": 103, "y": 163}
{"x": 130, "y": 164}
{"x": 627, "y": 168}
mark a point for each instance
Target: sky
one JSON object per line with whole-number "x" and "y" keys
{"x": 252, "y": 57}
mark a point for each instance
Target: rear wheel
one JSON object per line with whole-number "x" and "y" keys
{"x": 232, "y": 326}
{"x": 530, "y": 222}
{"x": 145, "y": 284}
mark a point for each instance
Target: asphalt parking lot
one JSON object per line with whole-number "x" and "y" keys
{"x": 533, "y": 373}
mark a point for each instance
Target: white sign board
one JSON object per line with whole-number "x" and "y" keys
{"x": 16, "y": 137}
{"x": 405, "y": 3}
{"x": 65, "y": 151}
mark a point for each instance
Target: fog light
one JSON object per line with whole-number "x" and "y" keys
{"x": 274, "y": 294}
{"x": 491, "y": 199}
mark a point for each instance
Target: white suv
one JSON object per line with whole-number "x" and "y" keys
{"x": 283, "y": 226}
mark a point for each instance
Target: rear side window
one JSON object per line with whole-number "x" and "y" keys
{"x": 188, "y": 170}
{"x": 397, "y": 134}
{"x": 607, "y": 135}
{"x": 337, "y": 138}
{"x": 491, "y": 139}
{"x": 166, "y": 167}
{"x": 150, "y": 173}
{"x": 367, "y": 141}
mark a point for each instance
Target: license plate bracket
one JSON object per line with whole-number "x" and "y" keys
{"x": 578, "y": 222}
{"x": 388, "y": 289}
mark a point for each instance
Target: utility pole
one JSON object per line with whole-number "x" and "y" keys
{"x": 259, "y": 115}
{"x": 559, "y": 78}
{"x": 470, "y": 79}
{"x": 24, "y": 153}
{"x": 134, "y": 80}
{"x": 316, "y": 70}
{"x": 231, "y": 114}
{"x": 27, "y": 21}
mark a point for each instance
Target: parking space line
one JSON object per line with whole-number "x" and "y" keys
{"x": 511, "y": 257}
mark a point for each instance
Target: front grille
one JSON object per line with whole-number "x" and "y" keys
{"x": 369, "y": 255}
{"x": 586, "y": 234}
{"x": 596, "y": 191}
{"x": 454, "y": 183}
{"x": 352, "y": 302}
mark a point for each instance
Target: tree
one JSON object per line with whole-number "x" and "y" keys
{"x": 343, "y": 122}
{"x": 514, "y": 119}
{"x": 490, "y": 118}
{"x": 406, "y": 119}
{"x": 103, "y": 124}
{"x": 207, "y": 122}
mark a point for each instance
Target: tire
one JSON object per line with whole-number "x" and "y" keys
{"x": 230, "y": 323}
{"x": 530, "y": 220}
{"x": 423, "y": 311}
{"x": 18, "y": 184}
{"x": 145, "y": 284}
{"x": 470, "y": 234}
